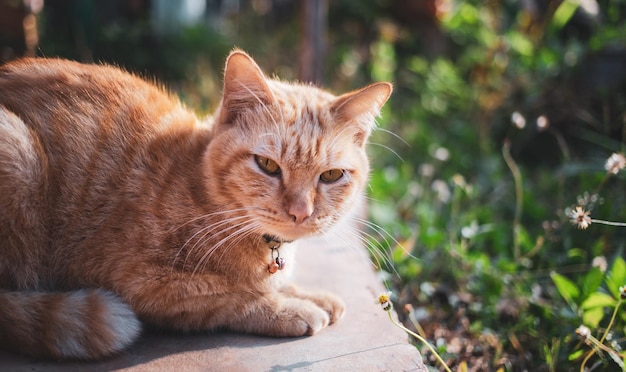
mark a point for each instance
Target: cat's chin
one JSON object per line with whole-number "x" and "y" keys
{"x": 285, "y": 238}
{"x": 289, "y": 236}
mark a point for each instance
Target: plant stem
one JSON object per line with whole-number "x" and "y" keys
{"x": 519, "y": 195}
{"x": 610, "y": 223}
{"x": 599, "y": 344}
{"x": 608, "y": 328}
{"x": 421, "y": 339}
{"x": 416, "y": 324}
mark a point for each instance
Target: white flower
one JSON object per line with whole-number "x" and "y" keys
{"x": 442, "y": 154}
{"x": 385, "y": 301}
{"x": 584, "y": 332}
{"x": 470, "y": 231}
{"x": 580, "y": 218}
{"x": 427, "y": 170}
{"x": 518, "y": 120}
{"x": 615, "y": 163}
{"x": 442, "y": 190}
{"x": 600, "y": 263}
{"x": 542, "y": 123}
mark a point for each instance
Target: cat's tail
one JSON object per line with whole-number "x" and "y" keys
{"x": 85, "y": 324}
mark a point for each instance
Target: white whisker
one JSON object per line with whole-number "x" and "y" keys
{"x": 388, "y": 149}
{"x": 386, "y": 131}
{"x": 241, "y": 231}
{"x": 384, "y": 234}
{"x": 352, "y": 241}
{"x": 353, "y": 236}
{"x": 208, "y": 230}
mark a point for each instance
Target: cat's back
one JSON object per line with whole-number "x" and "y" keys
{"x": 85, "y": 115}
{"x": 60, "y": 95}
{"x": 79, "y": 135}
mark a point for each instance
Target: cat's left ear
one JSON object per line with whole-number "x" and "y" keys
{"x": 362, "y": 107}
{"x": 244, "y": 86}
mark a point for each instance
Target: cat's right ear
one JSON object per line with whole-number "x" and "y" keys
{"x": 361, "y": 108}
{"x": 244, "y": 86}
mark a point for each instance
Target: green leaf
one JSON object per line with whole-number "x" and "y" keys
{"x": 592, "y": 281}
{"x": 566, "y": 288}
{"x": 523, "y": 238}
{"x": 576, "y": 253}
{"x": 592, "y": 317}
{"x": 594, "y": 308}
{"x": 564, "y": 13}
{"x": 617, "y": 277}
{"x": 521, "y": 44}
{"x": 598, "y": 299}
{"x": 575, "y": 355}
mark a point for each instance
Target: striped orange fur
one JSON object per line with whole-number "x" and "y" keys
{"x": 118, "y": 206}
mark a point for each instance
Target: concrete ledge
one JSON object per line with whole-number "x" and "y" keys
{"x": 363, "y": 340}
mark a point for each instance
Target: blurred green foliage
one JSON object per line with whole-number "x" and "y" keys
{"x": 510, "y": 82}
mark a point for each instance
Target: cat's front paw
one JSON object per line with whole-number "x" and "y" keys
{"x": 287, "y": 316}
{"x": 289, "y": 313}
{"x": 333, "y": 305}
{"x": 301, "y": 318}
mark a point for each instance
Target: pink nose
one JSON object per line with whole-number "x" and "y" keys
{"x": 299, "y": 212}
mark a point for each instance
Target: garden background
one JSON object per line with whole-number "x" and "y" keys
{"x": 506, "y": 116}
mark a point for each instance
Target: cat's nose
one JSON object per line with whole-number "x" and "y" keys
{"x": 299, "y": 212}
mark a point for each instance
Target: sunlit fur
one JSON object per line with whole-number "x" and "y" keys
{"x": 118, "y": 206}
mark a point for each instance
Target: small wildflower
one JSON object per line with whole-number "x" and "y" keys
{"x": 415, "y": 189}
{"x": 385, "y": 301}
{"x": 442, "y": 190}
{"x": 470, "y": 231}
{"x": 427, "y": 170}
{"x": 442, "y": 154}
{"x": 615, "y": 163}
{"x": 518, "y": 120}
{"x": 459, "y": 181}
{"x": 580, "y": 218}
{"x": 622, "y": 292}
{"x": 542, "y": 123}
{"x": 584, "y": 332}
{"x": 600, "y": 263}
{"x": 588, "y": 199}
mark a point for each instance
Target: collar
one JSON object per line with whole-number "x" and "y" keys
{"x": 274, "y": 242}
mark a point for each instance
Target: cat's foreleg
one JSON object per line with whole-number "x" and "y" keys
{"x": 207, "y": 301}
{"x": 283, "y": 315}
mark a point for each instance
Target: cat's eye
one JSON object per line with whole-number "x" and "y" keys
{"x": 331, "y": 176}
{"x": 267, "y": 165}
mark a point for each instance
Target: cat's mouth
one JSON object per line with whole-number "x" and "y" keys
{"x": 287, "y": 234}
{"x": 273, "y": 239}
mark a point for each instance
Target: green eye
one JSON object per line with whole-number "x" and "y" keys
{"x": 267, "y": 165}
{"x": 331, "y": 176}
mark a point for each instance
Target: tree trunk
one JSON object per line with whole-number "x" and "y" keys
{"x": 313, "y": 40}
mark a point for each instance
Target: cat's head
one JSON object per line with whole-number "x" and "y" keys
{"x": 289, "y": 157}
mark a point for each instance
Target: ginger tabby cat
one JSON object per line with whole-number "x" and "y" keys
{"x": 119, "y": 206}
